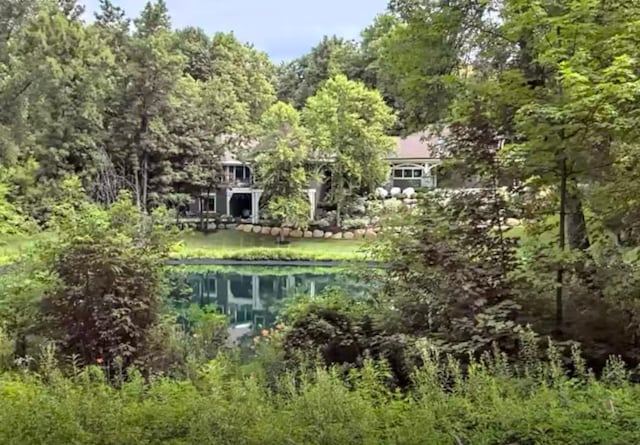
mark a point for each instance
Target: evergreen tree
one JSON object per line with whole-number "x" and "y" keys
{"x": 194, "y": 44}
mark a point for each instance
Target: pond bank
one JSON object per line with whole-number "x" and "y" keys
{"x": 266, "y": 262}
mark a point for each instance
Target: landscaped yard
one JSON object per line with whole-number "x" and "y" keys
{"x": 227, "y": 244}
{"x": 234, "y": 244}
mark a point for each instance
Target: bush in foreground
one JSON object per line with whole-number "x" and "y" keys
{"x": 224, "y": 405}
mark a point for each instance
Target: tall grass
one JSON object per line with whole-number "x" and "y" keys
{"x": 226, "y": 404}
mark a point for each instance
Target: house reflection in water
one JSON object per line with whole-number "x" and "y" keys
{"x": 252, "y": 299}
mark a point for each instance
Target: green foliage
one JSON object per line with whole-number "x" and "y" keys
{"x": 178, "y": 349}
{"x": 302, "y": 78}
{"x": 21, "y": 293}
{"x": 348, "y": 124}
{"x": 292, "y": 211}
{"x": 108, "y": 265}
{"x": 488, "y": 406}
{"x": 344, "y": 331}
{"x": 422, "y": 55}
{"x": 450, "y": 273}
{"x": 11, "y": 221}
{"x": 270, "y": 253}
{"x": 283, "y": 152}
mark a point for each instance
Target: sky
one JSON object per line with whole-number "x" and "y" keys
{"x": 285, "y": 29}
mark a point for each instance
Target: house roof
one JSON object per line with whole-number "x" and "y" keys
{"x": 417, "y": 146}
{"x": 422, "y": 145}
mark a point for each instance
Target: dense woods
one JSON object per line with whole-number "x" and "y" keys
{"x": 524, "y": 288}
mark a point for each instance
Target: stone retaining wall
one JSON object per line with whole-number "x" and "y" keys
{"x": 317, "y": 234}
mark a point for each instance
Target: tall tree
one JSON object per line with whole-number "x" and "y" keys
{"x": 112, "y": 21}
{"x": 62, "y": 86}
{"x": 201, "y": 125}
{"x": 301, "y": 78}
{"x": 250, "y": 71}
{"x": 283, "y": 151}
{"x": 71, "y": 9}
{"x": 553, "y": 78}
{"x": 138, "y": 133}
{"x": 348, "y": 124}
{"x": 195, "y": 45}
{"x": 426, "y": 53}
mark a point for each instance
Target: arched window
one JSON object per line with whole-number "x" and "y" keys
{"x": 410, "y": 171}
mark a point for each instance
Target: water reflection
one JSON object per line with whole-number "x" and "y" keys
{"x": 251, "y": 300}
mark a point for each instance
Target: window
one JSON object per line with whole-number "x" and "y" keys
{"x": 237, "y": 173}
{"x": 212, "y": 286}
{"x": 208, "y": 204}
{"x": 410, "y": 174}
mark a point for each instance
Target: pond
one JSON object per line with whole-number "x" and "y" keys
{"x": 252, "y": 297}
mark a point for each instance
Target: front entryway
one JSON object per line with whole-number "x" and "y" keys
{"x": 240, "y": 205}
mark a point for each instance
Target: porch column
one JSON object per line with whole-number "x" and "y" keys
{"x": 291, "y": 283}
{"x": 229, "y": 195}
{"x": 312, "y": 201}
{"x": 255, "y": 291}
{"x": 434, "y": 175}
{"x": 428, "y": 169}
{"x": 255, "y": 205}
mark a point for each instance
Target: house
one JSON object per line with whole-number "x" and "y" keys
{"x": 414, "y": 160}
{"x": 412, "y": 165}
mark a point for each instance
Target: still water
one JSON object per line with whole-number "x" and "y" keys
{"x": 252, "y": 297}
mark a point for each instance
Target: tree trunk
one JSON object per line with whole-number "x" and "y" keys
{"x": 578, "y": 239}
{"x": 144, "y": 163}
{"x": 339, "y": 194}
{"x": 205, "y": 229}
{"x": 561, "y": 245}
{"x": 577, "y": 235}
{"x": 20, "y": 349}
{"x": 136, "y": 175}
{"x": 145, "y": 180}
{"x": 201, "y": 207}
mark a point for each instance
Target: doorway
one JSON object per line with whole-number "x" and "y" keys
{"x": 240, "y": 205}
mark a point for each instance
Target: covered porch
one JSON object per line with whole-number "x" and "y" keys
{"x": 246, "y": 201}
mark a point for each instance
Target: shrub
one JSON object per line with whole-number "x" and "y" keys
{"x": 109, "y": 269}
{"x": 450, "y": 276}
{"x": 357, "y": 207}
{"x": 323, "y": 224}
{"x": 393, "y": 205}
{"x": 374, "y": 207}
{"x": 343, "y": 331}
{"x": 355, "y": 223}
{"x": 178, "y": 349}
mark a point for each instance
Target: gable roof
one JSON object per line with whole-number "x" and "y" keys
{"x": 417, "y": 146}
{"x": 422, "y": 145}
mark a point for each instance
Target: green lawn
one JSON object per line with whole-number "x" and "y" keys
{"x": 227, "y": 244}
{"x": 240, "y": 245}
